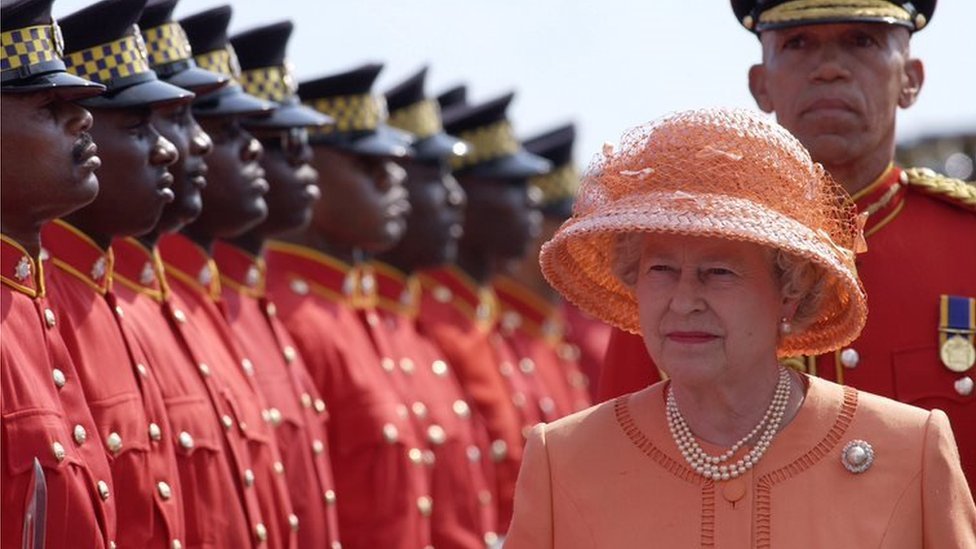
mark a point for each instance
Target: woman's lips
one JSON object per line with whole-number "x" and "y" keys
{"x": 691, "y": 338}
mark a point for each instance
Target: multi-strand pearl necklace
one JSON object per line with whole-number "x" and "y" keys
{"x": 715, "y": 467}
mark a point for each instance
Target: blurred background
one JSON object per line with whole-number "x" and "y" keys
{"x": 604, "y": 64}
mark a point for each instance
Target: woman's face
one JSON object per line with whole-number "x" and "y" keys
{"x": 709, "y": 307}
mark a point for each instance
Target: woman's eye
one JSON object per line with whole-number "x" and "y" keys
{"x": 720, "y": 271}
{"x": 661, "y": 269}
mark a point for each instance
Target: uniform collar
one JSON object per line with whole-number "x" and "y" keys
{"x": 139, "y": 268}
{"x": 239, "y": 270}
{"x": 450, "y": 285}
{"x": 311, "y": 271}
{"x": 189, "y": 263}
{"x": 395, "y": 291}
{"x": 522, "y": 309}
{"x": 883, "y": 199}
{"x": 77, "y": 254}
{"x": 19, "y": 270}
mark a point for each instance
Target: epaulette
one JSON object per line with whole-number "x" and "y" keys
{"x": 954, "y": 191}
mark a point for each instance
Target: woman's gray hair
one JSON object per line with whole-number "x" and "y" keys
{"x": 799, "y": 278}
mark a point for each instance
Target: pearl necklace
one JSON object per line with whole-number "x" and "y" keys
{"x": 714, "y": 467}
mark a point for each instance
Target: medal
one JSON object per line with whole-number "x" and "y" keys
{"x": 958, "y": 354}
{"x": 957, "y": 325}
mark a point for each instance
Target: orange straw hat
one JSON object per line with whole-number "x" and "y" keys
{"x": 720, "y": 173}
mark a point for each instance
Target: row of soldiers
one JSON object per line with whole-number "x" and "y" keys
{"x": 274, "y": 318}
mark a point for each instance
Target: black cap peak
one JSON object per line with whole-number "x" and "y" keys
{"x": 555, "y": 145}
{"x": 408, "y": 92}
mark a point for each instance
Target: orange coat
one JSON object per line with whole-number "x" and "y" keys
{"x": 612, "y": 476}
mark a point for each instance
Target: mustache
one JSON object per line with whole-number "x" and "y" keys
{"x": 81, "y": 146}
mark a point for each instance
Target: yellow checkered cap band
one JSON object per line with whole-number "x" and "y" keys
{"x": 271, "y": 83}
{"x": 812, "y": 10}
{"x": 422, "y": 119}
{"x": 363, "y": 112}
{"x": 167, "y": 43}
{"x": 487, "y": 143}
{"x": 30, "y": 46}
{"x": 559, "y": 184}
{"x": 107, "y": 62}
{"x": 222, "y": 61}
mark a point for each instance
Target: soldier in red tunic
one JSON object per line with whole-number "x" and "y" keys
{"x": 376, "y": 445}
{"x": 459, "y": 310}
{"x": 836, "y": 78}
{"x": 47, "y": 171}
{"x": 464, "y": 515}
{"x": 298, "y": 414}
{"x": 123, "y": 394}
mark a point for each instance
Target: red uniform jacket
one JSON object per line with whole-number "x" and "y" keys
{"x": 122, "y": 393}
{"x": 589, "y": 337}
{"x": 383, "y": 495}
{"x": 298, "y": 415}
{"x": 464, "y": 513}
{"x": 534, "y": 330}
{"x": 919, "y": 248}
{"x": 193, "y": 276}
{"x": 460, "y": 318}
{"x": 43, "y": 406}
{"x": 216, "y": 512}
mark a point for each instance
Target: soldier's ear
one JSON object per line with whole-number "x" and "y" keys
{"x": 757, "y": 86}
{"x": 911, "y": 83}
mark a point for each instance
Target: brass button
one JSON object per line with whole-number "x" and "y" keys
{"x": 402, "y": 412}
{"x": 204, "y": 369}
{"x": 416, "y": 456}
{"x": 442, "y": 294}
{"x": 299, "y": 286}
{"x": 390, "y": 433}
{"x": 80, "y": 434}
{"x": 320, "y": 405}
{"x": 419, "y": 409}
{"x": 179, "y": 315}
{"x": 114, "y": 442}
{"x": 318, "y": 446}
{"x": 407, "y": 365}
{"x": 336, "y": 545}
{"x": 436, "y": 435}
{"x": 112, "y": 545}
{"x": 58, "y": 450}
{"x": 248, "y": 366}
{"x": 186, "y": 440}
{"x": 155, "y": 432}
{"x": 266, "y": 415}
{"x": 439, "y": 367}
{"x": 165, "y": 491}
{"x": 293, "y": 522}
{"x": 278, "y": 467}
{"x": 527, "y": 365}
{"x": 461, "y": 408}
{"x": 547, "y": 405}
{"x": 506, "y": 369}
{"x": 474, "y": 453}
{"x": 59, "y": 378}
{"x": 849, "y": 357}
{"x": 260, "y": 532}
{"x": 306, "y": 400}
{"x": 242, "y": 426}
{"x": 103, "y": 489}
{"x": 226, "y": 421}
{"x": 119, "y": 312}
{"x": 248, "y": 478}
{"x": 491, "y": 539}
{"x": 49, "y": 318}
{"x": 275, "y": 417}
{"x": 425, "y": 505}
{"x": 518, "y": 399}
{"x": 330, "y": 497}
{"x": 143, "y": 371}
{"x": 484, "y": 498}
{"x": 271, "y": 309}
{"x": 429, "y": 458}
{"x": 289, "y": 353}
{"x": 176, "y": 544}
{"x": 499, "y": 450}
{"x": 387, "y": 364}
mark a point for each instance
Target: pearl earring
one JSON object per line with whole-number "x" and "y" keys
{"x": 785, "y": 326}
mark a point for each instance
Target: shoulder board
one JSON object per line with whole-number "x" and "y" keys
{"x": 955, "y": 191}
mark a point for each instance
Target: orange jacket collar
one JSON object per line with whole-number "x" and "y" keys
{"x": 189, "y": 263}
{"x": 77, "y": 254}
{"x": 239, "y": 270}
{"x": 19, "y": 270}
{"x": 139, "y": 268}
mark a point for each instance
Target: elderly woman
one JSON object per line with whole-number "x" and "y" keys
{"x": 714, "y": 235}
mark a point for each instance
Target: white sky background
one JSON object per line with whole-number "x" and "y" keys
{"x": 605, "y": 64}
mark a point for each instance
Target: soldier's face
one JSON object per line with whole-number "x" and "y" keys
{"x": 292, "y": 181}
{"x": 134, "y": 179}
{"x": 364, "y": 204}
{"x": 233, "y": 199}
{"x": 837, "y": 87}
{"x": 436, "y": 219}
{"x": 177, "y": 124}
{"x": 502, "y": 217}
{"x": 49, "y": 158}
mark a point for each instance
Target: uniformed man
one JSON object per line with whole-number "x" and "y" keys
{"x": 235, "y": 186}
{"x": 47, "y": 171}
{"x": 835, "y": 77}
{"x": 459, "y": 309}
{"x": 465, "y": 514}
{"x": 320, "y": 290}
{"x": 297, "y": 413}
{"x": 134, "y": 187}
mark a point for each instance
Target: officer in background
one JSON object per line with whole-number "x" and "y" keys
{"x": 297, "y": 414}
{"x": 47, "y": 171}
{"x": 836, "y": 78}
{"x": 322, "y": 294}
{"x": 464, "y": 515}
{"x": 459, "y": 310}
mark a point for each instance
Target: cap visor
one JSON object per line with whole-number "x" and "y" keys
{"x": 439, "y": 146}
{"x": 230, "y": 100}
{"x": 290, "y": 116}
{"x": 65, "y": 84}
{"x": 520, "y": 165}
{"x": 198, "y": 80}
{"x": 383, "y": 141}
{"x": 144, "y": 94}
